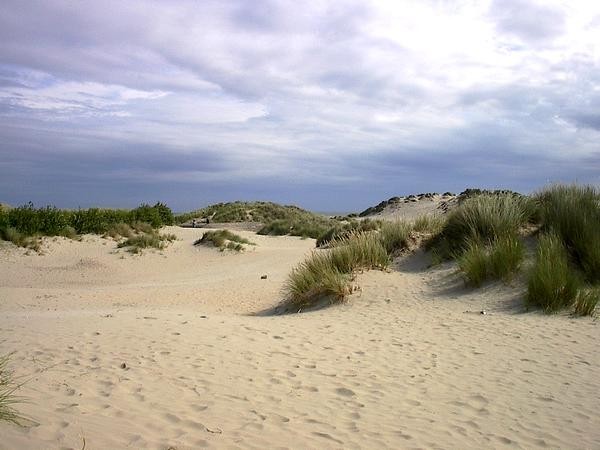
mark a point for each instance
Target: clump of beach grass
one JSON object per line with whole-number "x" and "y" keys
{"x": 586, "y": 301}
{"x": 430, "y": 224}
{"x": 8, "y": 387}
{"x": 500, "y": 259}
{"x": 21, "y": 240}
{"x": 553, "y": 284}
{"x": 224, "y": 240}
{"x": 137, "y": 243}
{"x": 342, "y": 230}
{"x": 473, "y": 263}
{"x": 395, "y": 236}
{"x": 328, "y": 273}
{"x": 573, "y": 213}
{"x": 485, "y": 218}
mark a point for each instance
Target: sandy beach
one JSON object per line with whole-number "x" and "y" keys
{"x": 164, "y": 351}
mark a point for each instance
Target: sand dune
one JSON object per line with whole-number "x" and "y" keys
{"x": 162, "y": 351}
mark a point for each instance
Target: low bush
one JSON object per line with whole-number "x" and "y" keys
{"x": 553, "y": 285}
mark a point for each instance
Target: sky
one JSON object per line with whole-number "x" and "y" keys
{"x": 332, "y": 106}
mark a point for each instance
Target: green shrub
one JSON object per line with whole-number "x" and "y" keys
{"x": 165, "y": 213}
{"x": 586, "y": 301}
{"x": 148, "y": 214}
{"x": 4, "y": 224}
{"x": 223, "y": 239}
{"x": 573, "y": 212}
{"x": 553, "y": 285}
{"x": 52, "y": 221}
{"x": 24, "y": 219}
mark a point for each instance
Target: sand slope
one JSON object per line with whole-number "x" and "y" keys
{"x": 407, "y": 363}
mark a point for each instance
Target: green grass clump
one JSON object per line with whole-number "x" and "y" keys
{"x": 306, "y": 227}
{"x": 586, "y": 301}
{"x": 327, "y": 273}
{"x": 139, "y": 242}
{"x": 499, "y": 260}
{"x": 316, "y": 278}
{"x": 119, "y": 230}
{"x": 344, "y": 229}
{"x": 474, "y": 263}
{"x": 485, "y": 218}
{"x": 224, "y": 239}
{"x": 431, "y": 224}
{"x": 20, "y": 240}
{"x": 573, "y": 212}
{"x": 395, "y": 236}
{"x": 553, "y": 285}
{"x": 7, "y": 393}
{"x": 506, "y": 257}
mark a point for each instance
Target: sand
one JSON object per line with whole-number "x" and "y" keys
{"x": 161, "y": 351}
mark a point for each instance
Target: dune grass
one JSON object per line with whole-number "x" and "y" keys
{"x": 553, "y": 284}
{"x": 345, "y": 229}
{"x": 586, "y": 301}
{"x": 500, "y": 259}
{"x": 573, "y": 212}
{"x": 224, "y": 240}
{"x": 305, "y": 227}
{"x": 8, "y": 387}
{"x": 485, "y": 218}
{"x": 395, "y": 236}
{"x": 474, "y": 263}
{"x": 430, "y": 224}
{"x": 138, "y": 242}
{"x": 328, "y": 273}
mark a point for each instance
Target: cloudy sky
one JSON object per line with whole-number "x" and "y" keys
{"x": 332, "y": 106}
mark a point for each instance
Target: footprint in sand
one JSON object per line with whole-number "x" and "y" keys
{"x": 345, "y": 392}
